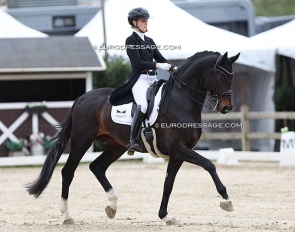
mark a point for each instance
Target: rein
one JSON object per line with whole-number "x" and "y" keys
{"x": 217, "y": 68}
{"x": 178, "y": 82}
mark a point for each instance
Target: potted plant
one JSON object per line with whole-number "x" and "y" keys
{"x": 36, "y": 143}
{"x": 16, "y": 148}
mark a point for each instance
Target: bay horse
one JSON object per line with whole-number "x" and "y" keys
{"x": 205, "y": 73}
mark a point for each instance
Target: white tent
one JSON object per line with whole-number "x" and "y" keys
{"x": 11, "y": 28}
{"x": 266, "y": 45}
{"x": 168, "y": 26}
{"x": 281, "y": 38}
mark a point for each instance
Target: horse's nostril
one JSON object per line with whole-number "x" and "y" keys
{"x": 226, "y": 109}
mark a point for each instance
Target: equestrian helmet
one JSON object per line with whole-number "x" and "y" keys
{"x": 137, "y": 13}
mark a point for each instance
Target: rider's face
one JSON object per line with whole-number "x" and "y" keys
{"x": 142, "y": 24}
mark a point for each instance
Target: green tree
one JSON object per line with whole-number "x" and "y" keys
{"x": 274, "y": 7}
{"x": 115, "y": 75}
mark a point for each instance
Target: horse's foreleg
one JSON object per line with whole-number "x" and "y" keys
{"x": 193, "y": 157}
{"x": 172, "y": 169}
{"x": 112, "y": 152}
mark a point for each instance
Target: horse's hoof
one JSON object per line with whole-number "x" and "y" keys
{"x": 227, "y": 206}
{"x": 69, "y": 221}
{"x": 110, "y": 212}
{"x": 171, "y": 222}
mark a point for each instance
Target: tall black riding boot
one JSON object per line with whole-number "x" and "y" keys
{"x": 134, "y": 144}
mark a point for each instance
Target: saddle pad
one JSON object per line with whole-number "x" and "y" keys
{"x": 122, "y": 114}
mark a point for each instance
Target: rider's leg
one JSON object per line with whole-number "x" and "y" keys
{"x": 134, "y": 144}
{"x": 139, "y": 93}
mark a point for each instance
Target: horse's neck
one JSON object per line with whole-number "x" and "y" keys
{"x": 181, "y": 95}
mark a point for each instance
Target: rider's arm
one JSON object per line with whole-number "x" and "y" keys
{"x": 162, "y": 63}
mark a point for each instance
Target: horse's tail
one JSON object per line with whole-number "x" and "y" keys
{"x": 62, "y": 138}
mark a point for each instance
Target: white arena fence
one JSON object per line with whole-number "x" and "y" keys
{"x": 225, "y": 156}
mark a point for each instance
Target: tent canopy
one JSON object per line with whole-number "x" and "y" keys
{"x": 264, "y": 46}
{"x": 280, "y": 38}
{"x": 11, "y": 28}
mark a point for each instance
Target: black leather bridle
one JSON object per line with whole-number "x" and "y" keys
{"x": 216, "y": 95}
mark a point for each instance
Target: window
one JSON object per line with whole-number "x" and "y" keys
{"x": 64, "y": 21}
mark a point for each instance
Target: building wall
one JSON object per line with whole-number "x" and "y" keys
{"x": 55, "y": 20}
{"x": 41, "y": 90}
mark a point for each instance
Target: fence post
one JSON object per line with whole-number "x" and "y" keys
{"x": 246, "y": 146}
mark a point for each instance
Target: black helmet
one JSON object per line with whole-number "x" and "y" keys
{"x": 137, "y": 13}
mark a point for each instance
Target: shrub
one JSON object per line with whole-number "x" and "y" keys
{"x": 115, "y": 75}
{"x": 284, "y": 98}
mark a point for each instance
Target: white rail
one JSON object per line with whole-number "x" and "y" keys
{"x": 243, "y": 156}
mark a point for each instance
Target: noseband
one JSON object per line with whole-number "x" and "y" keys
{"x": 215, "y": 96}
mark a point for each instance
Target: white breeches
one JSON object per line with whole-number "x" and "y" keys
{"x": 140, "y": 88}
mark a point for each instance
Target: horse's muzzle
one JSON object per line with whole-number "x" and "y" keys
{"x": 225, "y": 104}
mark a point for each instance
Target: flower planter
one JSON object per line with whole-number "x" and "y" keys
{"x": 36, "y": 109}
{"x": 37, "y": 149}
{"x": 15, "y": 153}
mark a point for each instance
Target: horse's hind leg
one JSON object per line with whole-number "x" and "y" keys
{"x": 78, "y": 150}
{"x": 112, "y": 152}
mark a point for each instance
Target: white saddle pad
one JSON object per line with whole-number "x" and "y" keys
{"x": 122, "y": 114}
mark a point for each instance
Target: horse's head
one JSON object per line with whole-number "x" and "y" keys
{"x": 219, "y": 82}
{"x": 213, "y": 73}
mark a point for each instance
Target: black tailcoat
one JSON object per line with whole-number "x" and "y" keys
{"x": 142, "y": 55}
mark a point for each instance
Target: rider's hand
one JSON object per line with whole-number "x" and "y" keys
{"x": 163, "y": 66}
{"x": 173, "y": 68}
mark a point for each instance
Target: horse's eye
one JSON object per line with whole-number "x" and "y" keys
{"x": 221, "y": 77}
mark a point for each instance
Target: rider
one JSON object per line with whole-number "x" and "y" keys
{"x": 141, "y": 51}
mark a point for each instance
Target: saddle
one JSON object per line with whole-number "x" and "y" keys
{"x": 123, "y": 114}
{"x": 150, "y": 96}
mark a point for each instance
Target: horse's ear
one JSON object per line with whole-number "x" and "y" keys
{"x": 224, "y": 58}
{"x": 234, "y": 58}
